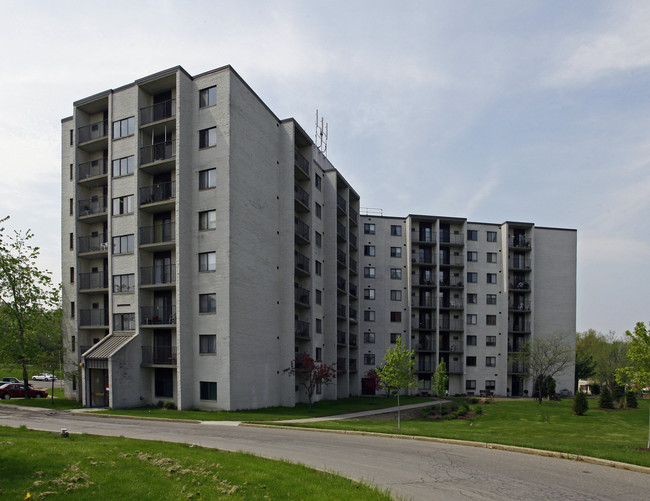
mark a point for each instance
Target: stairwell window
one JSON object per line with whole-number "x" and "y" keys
{"x": 208, "y": 343}
{"x": 207, "y": 220}
{"x": 207, "y": 179}
{"x": 207, "y": 303}
{"x": 208, "y": 97}
{"x": 207, "y": 261}
{"x": 208, "y": 138}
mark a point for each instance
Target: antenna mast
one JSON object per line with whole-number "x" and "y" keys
{"x": 321, "y": 135}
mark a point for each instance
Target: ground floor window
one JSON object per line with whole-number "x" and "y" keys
{"x": 164, "y": 383}
{"x": 208, "y": 390}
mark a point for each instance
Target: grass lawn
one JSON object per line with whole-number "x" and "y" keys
{"x": 88, "y": 467}
{"x": 320, "y": 409}
{"x": 614, "y": 435}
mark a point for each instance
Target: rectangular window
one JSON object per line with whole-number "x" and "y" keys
{"x": 472, "y": 256}
{"x": 491, "y": 278}
{"x": 368, "y": 359}
{"x": 207, "y": 261}
{"x": 123, "y": 166}
{"x": 208, "y": 97}
{"x": 207, "y": 220}
{"x": 471, "y": 319}
{"x": 472, "y": 298}
{"x": 394, "y": 336}
{"x": 319, "y": 239}
{"x": 470, "y": 361}
{"x": 124, "y": 322}
{"x": 471, "y": 340}
{"x": 319, "y": 388}
{"x": 124, "y": 283}
{"x": 208, "y": 343}
{"x": 490, "y": 361}
{"x": 491, "y": 236}
{"x": 470, "y": 384}
{"x": 319, "y": 296}
{"x": 368, "y": 250}
{"x": 319, "y": 326}
{"x": 491, "y": 299}
{"x": 490, "y": 341}
{"x": 395, "y": 230}
{"x": 208, "y": 390}
{"x": 71, "y": 138}
{"x": 123, "y": 128}
{"x": 207, "y": 303}
{"x": 491, "y": 257}
{"x": 72, "y": 274}
{"x": 368, "y": 293}
{"x": 318, "y": 266}
{"x": 491, "y": 319}
{"x": 396, "y": 273}
{"x": 369, "y": 228}
{"x": 472, "y": 235}
{"x": 369, "y": 316}
{"x": 395, "y": 252}
{"x": 472, "y": 277}
{"x": 395, "y": 295}
{"x": 123, "y": 205}
{"x": 318, "y": 209}
{"x": 318, "y": 182}
{"x": 490, "y": 384}
{"x": 71, "y": 171}
{"x": 72, "y": 207}
{"x": 369, "y": 337}
{"x": 73, "y": 343}
{"x": 72, "y": 309}
{"x": 71, "y": 241}
{"x": 319, "y": 354}
{"x": 369, "y": 272}
{"x": 395, "y": 316}
{"x": 123, "y": 244}
{"x": 207, "y": 179}
{"x": 208, "y": 138}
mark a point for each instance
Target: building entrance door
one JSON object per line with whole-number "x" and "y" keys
{"x": 98, "y": 388}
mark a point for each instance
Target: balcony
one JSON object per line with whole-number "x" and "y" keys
{"x": 453, "y": 282}
{"x": 455, "y": 367}
{"x": 341, "y": 365}
{"x": 340, "y": 338}
{"x": 93, "y": 137}
{"x": 341, "y": 231}
{"x": 519, "y": 242}
{"x": 453, "y": 346}
{"x": 454, "y": 261}
{"x": 157, "y": 234}
{"x": 341, "y": 258}
{"x": 93, "y": 281}
{"x": 426, "y": 324}
{"x": 353, "y": 290}
{"x": 424, "y": 259}
{"x": 353, "y": 266}
{"x": 519, "y": 263}
{"x": 354, "y": 216}
{"x": 93, "y": 243}
{"x": 302, "y": 329}
{"x": 340, "y": 311}
{"x": 520, "y": 285}
{"x": 301, "y": 263}
{"x": 448, "y": 304}
{"x": 302, "y": 165}
{"x": 353, "y": 365}
{"x": 302, "y": 198}
{"x": 341, "y": 205}
{"x": 353, "y": 340}
{"x": 451, "y": 324}
{"x": 94, "y": 170}
{"x": 158, "y": 275}
{"x": 93, "y": 318}
{"x": 425, "y": 302}
{"x": 426, "y": 281}
{"x": 92, "y": 206}
{"x": 158, "y": 315}
{"x": 451, "y": 238}
{"x": 424, "y": 366}
{"x": 301, "y": 296}
{"x": 425, "y": 237}
{"x": 157, "y": 152}
{"x": 302, "y": 231}
{"x": 158, "y": 355}
{"x": 157, "y": 112}
{"x": 340, "y": 284}
{"x": 160, "y": 192}
{"x": 519, "y": 327}
{"x": 353, "y": 241}
{"x": 518, "y": 368}
{"x": 522, "y": 306}
{"x": 353, "y": 314}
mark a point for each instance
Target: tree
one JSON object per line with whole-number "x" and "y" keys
{"x": 371, "y": 382}
{"x": 608, "y": 352}
{"x": 440, "y": 379}
{"x": 397, "y": 371}
{"x": 605, "y": 400}
{"x": 310, "y": 374}
{"x": 546, "y": 356}
{"x": 585, "y": 365}
{"x": 580, "y": 404}
{"x": 638, "y": 373}
{"x": 25, "y": 292}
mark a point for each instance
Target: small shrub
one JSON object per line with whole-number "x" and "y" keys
{"x": 170, "y": 406}
{"x": 580, "y": 404}
{"x": 462, "y": 410}
{"x": 474, "y": 400}
{"x": 478, "y": 410}
{"x": 595, "y": 389}
{"x": 605, "y": 401}
{"x": 630, "y": 398}
{"x": 618, "y": 392}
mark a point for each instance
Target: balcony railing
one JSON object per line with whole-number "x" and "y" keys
{"x": 454, "y": 345}
{"x": 93, "y": 168}
{"x": 341, "y": 365}
{"x": 425, "y": 366}
{"x": 353, "y": 290}
{"x": 451, "y": 282}
{"x": 340, "y": 310}
{"x": 159, "y": 111}
{"x": 340, "y": 337}
{"x": 341, "y": 203}
{"x": 519, "y": 306}
{"x": 353, "y": 265}
{"x": 158, "y": 315}
{"x": 426, "y": 237}
{"x": 353, "y": 314}
{"x": 341, "y": 230}
{"x": 451, "y": 304}
{"x": 426, "y": 302}
{"x": 157, "y": 152}
{"x": 353, "y": 340}
{"x": 92, "y": 131}
{"x": 96, "y": 280}
{"x": 353, "y": 365}
{"x": 455, "y": 367}
{"x": 451, "y": 238}
{"x": 93, "y": 243}
{"x": 340, "y": 283}
{"x": 341, "y": 257}
{"x": 95, "y": 205}
{"x": 158, "y": 275}
{"x": 301, "y": 162}
{"x": 353, "y": 241}
{"x": 159, "y": 355}
{"x": 157, "y": 234}
{"x": 424, "y": 259}
{"x": 426, "y": 324}
{"x": 451, "y": 324}
{"x": 157, "y": 192}
{"x": 427, "y": 280}
{"x": 301, "y": 295}
{"x": 302, "y": 229}
{"x": 519, "y": 242}
{"x": 452, "y": 261}
{"x": 301, "y": 195}
{"x": 354, "y": 216}
{"x": 302, "y": 329}
{"x": 93, "y": 317}
{"x": 520, "y": 285}
{"x": 517, "y": 368}
{"x": 301, "y": 262}
{"x": 522, "y": 327}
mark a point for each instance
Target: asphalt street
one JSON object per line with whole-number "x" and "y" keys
{"x": 412, "y": 469}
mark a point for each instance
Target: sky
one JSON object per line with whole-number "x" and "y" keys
{"x": 488, "y": 110}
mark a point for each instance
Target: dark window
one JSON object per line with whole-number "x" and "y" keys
{"x": 491, "y": 257}
{"x": 208, "y": 97}
{"x": 123, "y": 166}
{"x": 491, "y": 236}
{"x": 72, "y": 274}
{"x": 472, "y": 277}
{"x": 395, "y": 295}
{"x": 491, "y": 319}
{"x": 208, "y": 137}
{"x": 470, "y": 384}
{"x": 470, "y": 361}
{"x": 319, "y": 326}
{"x": 207, "y": 179}
{"x": 368, "y": 359}
{"x": 207, "y": 261}
{"x": 208, "y": 220}
{"x": 490, "y": 361}
{"x": 472, "y": 298}
{"x": 471, "y": 319}
{"x": 124, "y": 321}
{"x": 207, "y": 303}
{"x": 319, "y": 354}
{"x": 71, "y": 241}
{"x": 492, "y": 278}
{"x": 395, "y": 252}
{"x": 472, "y": 256}
{"x": 368, "y": 293}
{"x": 319, "y": 239}
{"x": 369, "y": 337}
{"x": 123, "y": 244}
{"x": 207, "y": 343}
{"x": 123, "y": 205}
{"x": 369, "y": 228}
{"x": 318, "y": 209}
{"x": 368, "y": 250}
{"x": 471, "y": 340}
{"x": 396, "y": 273}
{"x": 395, "y": 230}
{"x": 73, "y": 343}
{"x": 395, "y": 316}
{"x": 318, "y": 267}
{"x": 319, "y": 296}
{"x": 490, "y": 384}
{"x": 318, "y": 182}
{"x": 472, "y": 235}
{"x": 394, "y": 336}
{"x": 490, "y": 341}
{"x": 124, "y": 283}
{"x": 491, "y": 299}
{"x": 208, "y": 390}
{"x": 369, "y": 316}
{"x": 369, "y": 272}
{"x": 72, "y": 309}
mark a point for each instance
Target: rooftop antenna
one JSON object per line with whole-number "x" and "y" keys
{"x": 321, "y": 135}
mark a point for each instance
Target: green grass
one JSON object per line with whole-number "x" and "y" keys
{"x": 615, "y": 435}
{"x": 85, "y": 467}
{"x": 16, "y": 370}
{"x": 59, "y": 403}
{"x": 320, "y": 409}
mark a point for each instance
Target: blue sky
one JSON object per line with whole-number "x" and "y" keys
{"x": 490, "y": 110}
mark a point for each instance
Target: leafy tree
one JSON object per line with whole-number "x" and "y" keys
{"x": 608, "y": 352}
{"x": 605, "y": 401}
{"x": 580, "y": 404}
{"x": 311, "y": 374}
{"x": 585, "y": 365}
{"x": 26, "y": 292}
{"x": 397, "y": 371}
{"x": 630, "y": 400}
{"x": 440, "y": 380}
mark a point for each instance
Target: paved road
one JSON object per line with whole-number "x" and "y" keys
{"x": 409, "y": 468}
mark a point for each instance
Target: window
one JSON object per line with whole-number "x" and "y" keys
{"x": 123, "y": 128}
{"x": 123, "y": 205}
{"x": 395, "y": 316}
{"x": 318, "y": 266}
{"x": 73, "y": 343}
{"x": 491, "y": 236}
{"x": 71, "y": 138}
{"x": 470, "y": 361}
{"x": 368, "y": 293}
{"x": 208, "y": 390}
{"x": 395, "y": 252}
{"x": 208, "y": 97}
{"x": 207, "y": 220}
{"x": 470, "y": 384}
{"x": 71, "y": 241}
{"x": 163, "y": 382}
{"x": 472, "y": 277}
{"x": 490, "y": 384}
{"x": 208, "y": 343}
{"x": 471, "y": 340}
{"x": 369, "y": 316}
{"x": 124, "y": 322}
{"x": 72, "y": 274}
{"x": 319, "y": 354}
{"x": 123, "y": 166}
{"x": 123, "y": 244}
{"x": 491, "y": 257}
{"x": 396, "y": 273}
{"x": 72, "y": 309}
{"x": 319, "y": 388}
{"x": 207, "y": 303}
{"x": 318, "y": 209}
{"x": 369, "y": 228}
{"x": 472, "y": 256}
{"x": 208, "y": 138}
{"x": 318, "y": 182}
{"x": 472, "y": 235}
{"x": 491, "y": 319}
{"x": 395, "y": 230}
{"x": 124, "y": 283}
{"x": 368, "y": 337}
{"x": 472, "y": 298}
{"x": 492, "y": 278}
{"x": 207, "y": 179}
{"x": 207, "y": 261}
{"x": 490, "y": 341}
{"x": 471, "y": 319}
{"x": 394, "y": 336}
{"x": 319, "y": 239}
{"x": 71, "y": 171}
{"x": 72, "y": 207}
{"x": 490, "y": 361}
{"x": 368, "y": 359}
{"x": 491, "y": 299}
{"x": 369, "y": 272}
{"x": 319, "y": 326}
{"x": 319, "y": 296}
{"x": 368, "y": 250}
{"x": 396, "y": 295}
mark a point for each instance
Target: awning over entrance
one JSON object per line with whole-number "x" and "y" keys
{"x": 108, "y": 346}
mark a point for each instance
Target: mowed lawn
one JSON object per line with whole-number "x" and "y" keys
{"x": 83, "y": 467}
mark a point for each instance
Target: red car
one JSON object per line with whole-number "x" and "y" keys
{"x": 13, "y": 390}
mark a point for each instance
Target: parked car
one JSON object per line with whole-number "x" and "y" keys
{"x": 44, "y": 377}
{"x": 6, "y": 380}
{"x": 14, "y": 390}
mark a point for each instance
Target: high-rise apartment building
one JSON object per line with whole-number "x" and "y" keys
{"x": 205, "y": 242}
